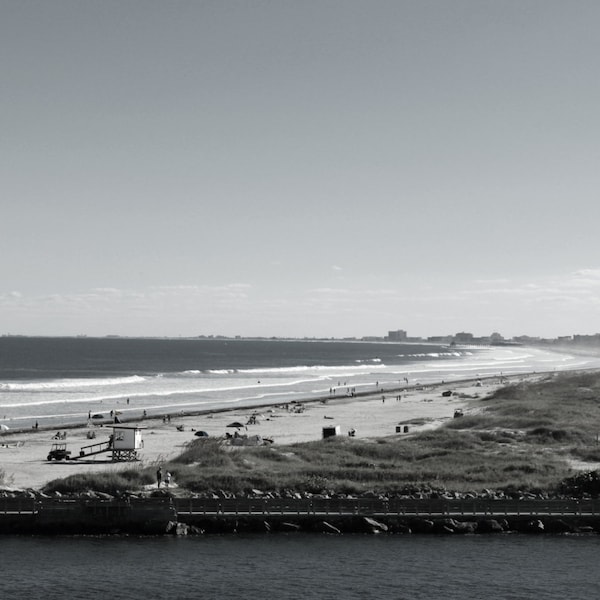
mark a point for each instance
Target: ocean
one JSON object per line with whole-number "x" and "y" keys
{"x": 64, "y": 381}
{"x": 301, "y": 566}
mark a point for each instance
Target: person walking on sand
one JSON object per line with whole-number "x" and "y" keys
{"x": 159, "y": 476}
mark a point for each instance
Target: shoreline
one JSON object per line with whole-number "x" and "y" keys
{"x": 325, "y": 399}
{"x": 371, "y": 414}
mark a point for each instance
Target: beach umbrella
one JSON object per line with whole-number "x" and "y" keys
{"x": 236, "y": 424}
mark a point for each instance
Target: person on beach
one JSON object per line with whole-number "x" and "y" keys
{"x": 167, "y": 479}
{"x": 159, "y": 476}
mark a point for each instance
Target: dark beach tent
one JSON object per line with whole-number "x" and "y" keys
{"x": 236, "y": 424}
{"x": 201, "y": 434}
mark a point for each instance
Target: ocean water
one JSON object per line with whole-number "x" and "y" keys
{"x": 58, "y": 381}
{"x": 301, "y": 566}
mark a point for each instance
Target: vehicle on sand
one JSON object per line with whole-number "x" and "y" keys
{"x": 59, "y": 452}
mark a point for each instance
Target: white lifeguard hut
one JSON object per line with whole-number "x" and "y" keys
{"x": 126, "y": 441}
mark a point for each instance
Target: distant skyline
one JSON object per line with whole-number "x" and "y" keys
{"x": 334, "y": 168}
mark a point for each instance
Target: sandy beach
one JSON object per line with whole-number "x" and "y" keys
{"x": 23, "y": 454}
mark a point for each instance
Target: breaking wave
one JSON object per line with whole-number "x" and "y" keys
{"x": 455, "y": 354}
{"x": 66, "y": 384}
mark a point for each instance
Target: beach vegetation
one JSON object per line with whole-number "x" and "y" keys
{"x": 205, "y": 453}
{"x": 110, "y": 482}
{"x": 582, "y": 484}
{"x": 5, "y": 479}
{"x": 587, "y": 454}
{"x": 458, "y": 460}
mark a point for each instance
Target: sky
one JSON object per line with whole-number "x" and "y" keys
{"x": 327, "y": 168}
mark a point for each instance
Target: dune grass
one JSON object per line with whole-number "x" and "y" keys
{"x": 4, "y": 478}
{"x": 113, "y": 482}
{"x": 520, "y": 438}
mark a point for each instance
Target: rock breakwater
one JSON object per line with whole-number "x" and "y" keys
{"x": 94, "y": 513}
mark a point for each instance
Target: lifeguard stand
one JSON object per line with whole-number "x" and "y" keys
{"x": 126, "y": 441}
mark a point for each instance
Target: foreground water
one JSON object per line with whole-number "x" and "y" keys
{"x": 507, "y": 567}
{"x": 64, "y": 380}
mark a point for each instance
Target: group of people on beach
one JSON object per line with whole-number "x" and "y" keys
{"x": 159, "y": 478}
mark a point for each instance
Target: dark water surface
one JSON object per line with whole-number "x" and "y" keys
{"x": 301, "y": 566}
{"x": 31, "y": 358}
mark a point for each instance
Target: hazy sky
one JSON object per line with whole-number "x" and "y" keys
{"x": 305, "y": 168}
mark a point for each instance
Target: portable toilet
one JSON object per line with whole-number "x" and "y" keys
{"x": 331, "y": 431}
{"x": 126, "y": 441}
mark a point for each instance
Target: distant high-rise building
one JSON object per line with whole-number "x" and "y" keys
{"x": 397, "y": 336}
{"x": 463, "y": 337}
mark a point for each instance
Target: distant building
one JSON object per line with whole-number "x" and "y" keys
{"x": 582, "y": 339}
{"x": 463, "y": 338}
{"x": 526, "y": 339}
{"x": 396, "y": 336}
